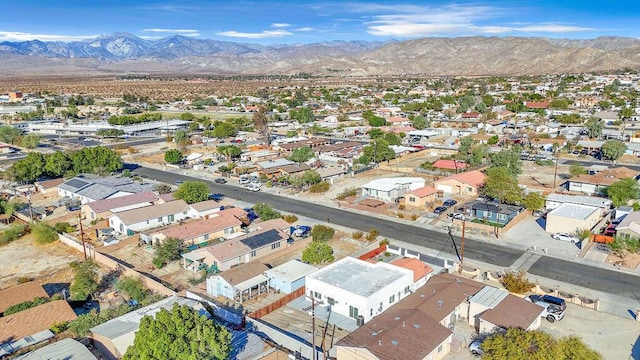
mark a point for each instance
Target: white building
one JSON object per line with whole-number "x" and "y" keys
{"x": 389, "y": 189}
{"x": 149, "y": 217}
{"x": 554, "y": 201}
{"x": 359, "y": 289}
{"x": 572, "y": 218}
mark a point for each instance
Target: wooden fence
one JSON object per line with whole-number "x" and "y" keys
{"x": 265, "y": 310}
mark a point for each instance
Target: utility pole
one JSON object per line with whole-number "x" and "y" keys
{"x": 555, "y": 174}
{"x": 464, "y": 221}
{"x": 84, "y": 246}
{"x": 29, "y": 200}
{"x": 313, "y": 327}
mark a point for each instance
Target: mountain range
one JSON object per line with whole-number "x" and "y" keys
{"x": 124, "y": 53}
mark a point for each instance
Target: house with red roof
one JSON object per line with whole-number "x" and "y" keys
{"x": 536, "y": 104}
{"x": 420, "y": 198}
{"x": 452, "y": 165}
{"x": 466, "y": 183}
{"x": 421, "y": 271}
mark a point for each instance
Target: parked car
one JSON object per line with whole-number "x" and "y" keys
{"x": 253, "y": 187}
{"x": 244, "y": 179}
{"x": 476, "y": 347}
{"x": 610, "y": 230}
{"x": 440, "y": 209}
{"x": 251, "y": 214}
{"x": 549, "y": 299}
{"x": 552, "y": 312}
{"x": 456, "y": 215}
{"x": 220, "y": 181}
{"x": 301, "y": 231}
{"x": 216, "y": 197}
{"x": 449, "y": 203}
{"x": 565, "y": 237}
{"x": 178, "y": 182}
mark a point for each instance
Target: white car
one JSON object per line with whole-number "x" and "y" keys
{"x": 253, "y": 187}
{"x": 565, "y": 237}
{"x": 456, "y": 215}
{"x": 476, "y": 347}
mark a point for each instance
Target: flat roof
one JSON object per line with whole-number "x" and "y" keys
{"x": 574, "y": 211}
{"x": 360, "y": 277}
{"x": 489, "y": 296}
{"x": 291, "y": 271}
{"x": 67, "y": 349}
{"x": 581, "y": 200}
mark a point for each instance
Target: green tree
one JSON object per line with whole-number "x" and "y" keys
{"x": 377, "y": 151}
{"x": 613, "y": 149}
{"x": 375, "y": 133}
{"x": 464, "y": 149}
{"x": 621, "y": 191}
{"x": 10, "y": 134}
{"x": 223, "y": 130}
{"x": 322, "y": 233}
{"x": 173, "y": 156}
{"x": 392, "y": 138}
{"x": 28, "y": 169}
{"x": 181, "y": 334}
{"x": 493, "y": 140}
{"x": 169, "y": 250}
{"x": 576, "y": 169}
{"x": 317, "y": 253}
{"x": 508, "y": 159}
{"x": 187, "y": 116}
{"x": 533, "y": 201}
{"x": 266, "y": 212}
{"x": 30, "y": 141}
{"x": 192, "y": 191}
{"x": 304, "y": 115}
{"x": 302, "y": 154}
{"x": 229, "y": 151}
{"x": 502, "y": 185}
{"x": 43, "y": 233}
{"x": 181, "y": 137}
{"x": 162, "y": 189}
{"x": 419, "y": 122}
{"x": 133, "y": 288}
{"x": 85, "y": 279}
{"x": 64, "y": 227}
{"x": 517, "y": 343}
{"x": 594, "y": 127}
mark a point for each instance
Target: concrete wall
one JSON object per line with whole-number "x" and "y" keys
{"x": 557, "y": 223}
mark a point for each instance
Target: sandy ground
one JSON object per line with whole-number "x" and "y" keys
{"x": 631, "y": 261}
{"x": 45, "y": 263}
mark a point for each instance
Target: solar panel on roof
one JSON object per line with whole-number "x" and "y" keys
{"x": 75, "y": 183}
{"x": 260, "y": 240}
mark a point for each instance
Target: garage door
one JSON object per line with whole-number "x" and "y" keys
{"x": 445, "y": 188}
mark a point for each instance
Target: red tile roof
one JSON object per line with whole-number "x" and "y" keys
{"x": 537, "y": 104}
{"x": 419, "y": 268}
{"x": 513, "y": 311}
{"x": 422, "y": 192}
{"x": 190, "y": 230}
{"x": 31, "y": 321}
{"x": 449, "y": 164}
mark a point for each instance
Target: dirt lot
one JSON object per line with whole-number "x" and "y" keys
{"x": 45, "y": 263}
{"x": 631, "y": 261}
{"x": 541, "y": 176}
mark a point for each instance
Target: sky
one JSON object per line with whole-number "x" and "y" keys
{"x": 301, "y": 21}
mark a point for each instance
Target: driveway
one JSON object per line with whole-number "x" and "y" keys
{"x": 529, "y": 232}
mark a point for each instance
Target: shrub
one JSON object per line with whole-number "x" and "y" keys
{"x": 43, "y": 233}
{"x": 322, "y": 233}
{"x": 372, "y": 235}
{"x": 346, "y": 193}
{"x": 290, "y": 218}
{"x": 384, "y": 241}
{"x": 400, "y": 215}
{"x": 26, "y": 305}
{"x": 357, "y": 235}
{"x": 414, "y": 217}
{"x": 12, "y": 233}
{"x": 320, "y": 187}
{"x": 64, "y": 227}
{"x": 266, "y": 212}
{"x": 24, "y": 279}
{"x": 517, "y": 282}
{"x": 133, "y": 288}
{"x": 59, "y": 327}
{"x": 401, "y": 207}
{"x": 317, "y": 252}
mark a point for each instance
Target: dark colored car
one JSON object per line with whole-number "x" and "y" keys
{"x": 178, "y": 182}
{"x": 449, "y": 203}
{"x": 220, "y": 181}
{"x": 440, "y": 209}
{"x": 251, "y": 215}
{"x": 216, "y": 197}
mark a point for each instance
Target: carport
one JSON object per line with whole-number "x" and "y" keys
{"x": 252, "y": 287}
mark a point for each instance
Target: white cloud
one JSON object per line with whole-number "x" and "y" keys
{"x": 184, "y": 32}
{"x": 261, "y": 35}
{"x": 280, "y": 25}
{"x": 414, "y": 21}
{"x": 305, "y": 29}
{"x": 22, "y": 36}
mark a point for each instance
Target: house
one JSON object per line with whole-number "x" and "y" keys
{"x": 289, "y": 276}
{"x": 629, "y": 227}
{"x": 449, "y": 165}
{"x": 407, "y": 334}
{"x": 491, "y": 309}
{"x": 204, "y": 209}
{"x": 494, "y": 212}
{"x": 390, "y": 189}
{"x": 554, "y": 200}
{"x": 130, "y": 221}
{"x": 220, "y": 225}
{"x": 598, "y": 183}
{"x": 103, "y": 209}
{"x": 246, "y": 279}
{"x": 87, "y": 188}
{"x": 466, "y": 183}
{"x": 261, "y": 241}
{"x": 113, "y": 337}
{"x": 273, "y": 164}
{"x": 348, "y": 287}
{"x": 420, "y": 198}
{"x": 20, "y": 293}
{"x": 421, "y": 271}
{"x": 67, "y": 349}
{"x": 259, "y": 155}
{"x": 49, "y": 186}
{"x": 536, "y": 104}
{"x": 31, "y": 326}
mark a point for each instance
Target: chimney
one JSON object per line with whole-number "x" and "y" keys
{"x": 379, "y": 342}
{"x": 440, "y": 302}
{"x": 403, "y": 324}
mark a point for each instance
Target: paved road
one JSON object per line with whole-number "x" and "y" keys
{"x": 611, "y": 281}
{"x": 590, "y": 162}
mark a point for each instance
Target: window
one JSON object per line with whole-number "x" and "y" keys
{"x": 353, "y": 312}
{"x": 253, "y": 253}
{"x": 160, "y": 219}
{"x": 275, "y": 245}
{"x": 184, "y": 212}
{"x": 440, "y": 348}
{"x": 392, "y": 298}
{"x": 406, "y": 290}
{"x": 412, "y": 199}
{"x": 171, "y": 218}
{"x": 228, "y": 231}
{"x": 469, "y": 189}
{"x": 147, "y": 222}
{"x": 206, "y": 237}
{"x": 331, "y": 301}
{"x": 502, "y": 217}
{"x": 370, "y": 312}
{"x": 317, "y": 295}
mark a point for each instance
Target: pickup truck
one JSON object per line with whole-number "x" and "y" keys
{"x": 553, "y": 309}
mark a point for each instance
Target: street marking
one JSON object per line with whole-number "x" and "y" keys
{"x": 525, "y": 261}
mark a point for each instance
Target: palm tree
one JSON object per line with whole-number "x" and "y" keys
{"x": 625, "y": 113}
